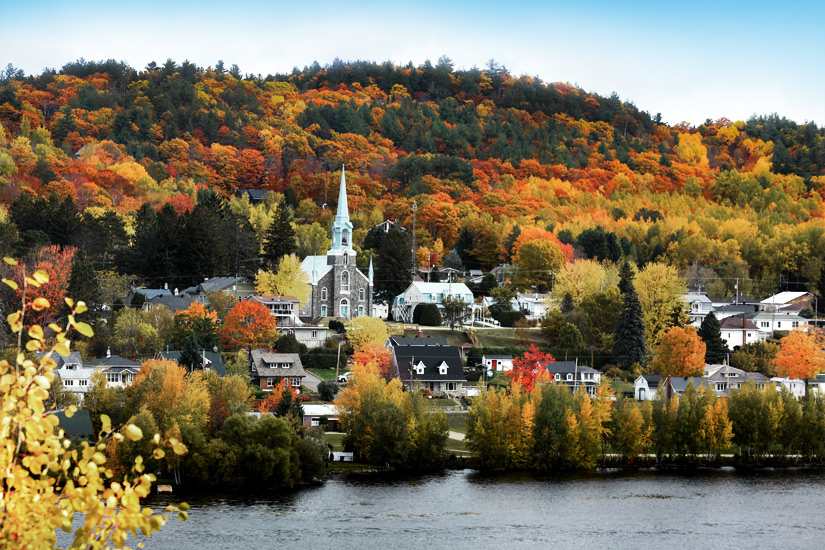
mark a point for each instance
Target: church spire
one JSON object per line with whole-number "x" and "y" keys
{"x": 369, "y": 273}
{"x": 341, "y": 226}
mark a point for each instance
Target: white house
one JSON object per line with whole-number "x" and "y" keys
{"x": 119, "y": 371}
{"x": 533, "y": 306}
{"x": 768, "y": 322}
{"x": 646, "y": 386}
{"x": 783, "y": 300}
{"x": 699, "y": 305}
{"x": 283, "y": 308}
{"x": 312, "y": 336}
{"x": 73, "y": 375}
{"x": 793, "y": 385}
{"x": 497, "y": 363}
{"x": 420, "y": 292}
{"x": 738, "y": 331}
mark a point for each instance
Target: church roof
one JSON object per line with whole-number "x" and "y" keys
{"x": 316, "y": 267}
{"x": 343, "y": 209}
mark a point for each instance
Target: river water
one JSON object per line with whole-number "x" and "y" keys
{"x": 463, "y": 509}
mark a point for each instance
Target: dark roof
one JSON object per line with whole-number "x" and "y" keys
{"x": 564, "y": 367}
{"x": 652, "y": 379}
{"x": 260, "y": 358}
{"x": 255, "y": 195}
{"x": 679, "y": 383}
{"x": 79, "y": 425}
{"x": 736, "y": 322}
{"x": 150, "y": 293}
{"x": 497, "y": 356}
{"x": 214, "y": 360}
{"x": 432, "y": 357}
{"x": 217, "y": 283}
{"x": 413, "y": 341}
{"x": 174, "y": 303}
{"x": 112, "y": 362}
{"x": 734, "y": 309}
{"x": 72, "y": 359}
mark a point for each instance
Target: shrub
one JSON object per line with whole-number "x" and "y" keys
{"x": 427, "y": 315}
{"x": 510, "y": 318}
{"x": 327, "y": 390}
{"x": 336, "y": 325}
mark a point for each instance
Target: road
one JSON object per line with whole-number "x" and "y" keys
{"x": 311, "y": 381}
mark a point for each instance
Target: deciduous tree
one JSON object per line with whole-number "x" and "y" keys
{"x": 248, "y": 325}
{"x": 680, "y": 353}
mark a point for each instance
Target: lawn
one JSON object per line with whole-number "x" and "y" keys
{"x": 441, "y": 402}
{"x": 508, "y": 337}
{"x": 457, "y": 422}
{"x": 327, "y": 374}
{"x": 454, "y": 338}
{"x": 335, "y": 439}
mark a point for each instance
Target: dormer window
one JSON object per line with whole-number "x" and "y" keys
{"x": 419, "y": 368}
{"x": 442, "y": 368}
{"x": 570, "y": 377}
{"x": 557, "y": 377}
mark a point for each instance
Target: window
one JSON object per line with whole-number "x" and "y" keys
{"x": 324, "y": 294}
{"x": 557, "y": 377}
{"x": 450, "y": 386}
{"x": 323, "y": 310}
{"x": 778, "y": 324}
{"x": 720, "y": 387}
{"x": 419, "y": 368}
{"x": 346, "y": 259}
{"x": 82, "y": 382}
{"x": 112, "y": 377}
{"x": 68, "y": 383}
{"x": 314, "y": 334}
{"x": 570, "y": 377}
{"x": 345, "y": 238}
{"x": 344, "y": 310}
{"x": 345, "y": 281}
{"x": 361, "y": 294}
{"x": 269, "y": 382}
{"x": 296, "y": 382}
{"x": 314, "y": 422}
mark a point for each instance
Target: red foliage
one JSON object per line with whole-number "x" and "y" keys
{"x": 529, "y": 367}
{"x": 57, "y": 263}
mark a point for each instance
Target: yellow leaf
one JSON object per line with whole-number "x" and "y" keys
{"x": 41, "y": 276}
{"x": 14, "y": 321}
{"x": 132, "y": 432}
{"x": 55, "y": 327}
{"x": 105, "y": 422}
{"x": 81, "y": 307}
{"x": 84, "y": 329}
{"x": 69, "y": 302}
{"x": 32, "y": 282}
{"x": 36, "y": 332}
{"x": 33, "y": 345}
{"x": 70, "y": 410}
{"x": 39, "y": 304}
{"x": 62, "y": 349}
{"x": 158, "y": 454}
{"x": 11, "y": 284}
{"x": 10, "y": 261}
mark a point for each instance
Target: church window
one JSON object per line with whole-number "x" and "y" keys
{"x": 345, "y": 308}
{"x": 324, "y": 293}
{"x": 345, "y": 281}
{"x": 345, "y": 238}
{"x": 361, "y": 294}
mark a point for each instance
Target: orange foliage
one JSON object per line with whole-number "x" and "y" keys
{"x": 248, "y": 325}
{"x": 375, "y": 355}
{"x": 681, "y": 352}
{"x": 57, "y": 262}
{"x": 801, "y": 355}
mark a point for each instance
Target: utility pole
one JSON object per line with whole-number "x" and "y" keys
{"x": 414, "y": 208}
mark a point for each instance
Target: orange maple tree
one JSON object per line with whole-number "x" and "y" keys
{"x": 248, "y": 325}
{"x": 801, "y": 355}
{"x": 56, "y": 263}
{"x": 681, "y": 352}
{"x": 530, "y": 368}
{"x": 375, "y": 354}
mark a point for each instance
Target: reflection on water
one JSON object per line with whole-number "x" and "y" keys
{"x": 463, "y": 509}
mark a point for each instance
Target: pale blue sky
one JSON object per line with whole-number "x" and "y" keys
{"x": 689, "y": 61}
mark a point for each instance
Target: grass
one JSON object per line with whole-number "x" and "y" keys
{"x": 327, "y": 374}
{"x": 336, "y": 440}
{"x": 348, "y": 467}
{"x": 454, "y": 338}
{"x": 456, "y": 445}
{"x": 508, "y": 337}
{"x": 620, "y": 386}
{"x": 457, "y": 422}
{"x": 442, "y": 402}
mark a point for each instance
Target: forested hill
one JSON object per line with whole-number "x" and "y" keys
{"x": 491, "y": 160}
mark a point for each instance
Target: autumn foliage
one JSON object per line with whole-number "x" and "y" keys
{"x": 530, "y": 368}
{"x": 248, "y": 325}
{"x": 801, "y": 355}
{"x": 680, "y": 353}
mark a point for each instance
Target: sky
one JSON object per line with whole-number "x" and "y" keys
{"x": 689, "y": 61}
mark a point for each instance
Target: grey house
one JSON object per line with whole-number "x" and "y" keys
{"x": 268, "y": 368}
{"x": 438, "y": 368}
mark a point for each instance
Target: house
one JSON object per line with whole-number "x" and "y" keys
{"x": 786, "y": 299}
{"x": 268, "y": 368}
{"x": 212, "y": 360}
{"x": 239, "y": 287}
{"x": 574, "y": 375}
{"x": 420, "y": 292}
{"x": 285, "y": 309}
{"x": 312, "y": 336}
{"x": 793, "y": 385}
{"x": 475, "y": 276}
{"x": 738, "y": 331}
{"x": 646, "y": 386}
{"x": 817, "y": 384}
{"x": 768, "y": 322}
{"x": 321, "y": 415}
{"x": 734, "y": 310}
{"x": 255, "y": 196}
{"x": 78, "y": 425}
{"x": 386, "y": 225}
{"x": 723, "y": 379}
{"x": 438, "y": 368}
{"x": 73, "y": 375}
{"x": 380, "y": 309}
{"x": 699, "y": 305}
{"x": 533, "y": 306}
{"x": 175, "y": 303}
{"x": 148, "y": 293}
{"x": 497, "y": 363}
{"x": 676, "y": 385}
{"x": 415, "y": 341}
{"x": 338, "y": 287}
{"x": 119, "y": 371}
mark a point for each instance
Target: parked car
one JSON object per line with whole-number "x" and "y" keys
{"x": 344, "y": 378}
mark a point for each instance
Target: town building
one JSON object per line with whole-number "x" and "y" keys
{"x": 497, "y": 363}
{"x": 437, "y": 368}
{"x": 646, "y": 386}
{"x": 723, "y": 379}
{"x": 267, "y": 368}
{"x": 118, "y": 370}
{"x": 420, "y": 292}
{"x": 574, "y": 375}
{"x": 738, "y": 331}
{"x": 338, "y": 287}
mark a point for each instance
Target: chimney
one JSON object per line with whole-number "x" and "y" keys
{"x": 420, "y": 334}
{"x": 108, "y": 352}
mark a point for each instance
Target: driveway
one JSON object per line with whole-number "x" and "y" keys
{"x": 311, "y": 381}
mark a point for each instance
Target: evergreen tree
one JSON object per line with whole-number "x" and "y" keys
{"x": 392, "y": 266}
{"x": 711, "y": 334}
{"x": 280, "y": 237}
{"x": 190, "y": 356}
{"x": 567, "y": 305}
{"x": 83, "y": 285}
{"x": 629, "y": 338}
{"x": 626, "y": 276}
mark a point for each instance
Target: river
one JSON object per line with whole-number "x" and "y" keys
{"x": 463, "y": 509}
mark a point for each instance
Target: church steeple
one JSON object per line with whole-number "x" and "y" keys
{"x": 341, "y": 226}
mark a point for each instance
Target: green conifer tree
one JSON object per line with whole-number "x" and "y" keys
{"x": 629, "y": 338}
{"x": 280, "y": 237}
{"x": 711, "y": 334}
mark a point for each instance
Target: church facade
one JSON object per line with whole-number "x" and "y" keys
{"x": 338, "y": 287}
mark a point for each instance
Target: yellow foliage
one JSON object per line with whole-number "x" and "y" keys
{"x": 691, "y": 150}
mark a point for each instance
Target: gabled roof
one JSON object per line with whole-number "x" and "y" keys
{"x": 735, "y": 322}
{"x": 316, "y": 267}
{"x": 217, "y": 283}
{"x": 413, "y": 341}
{"x": 565, "y": 367}
{"x": 501, "y": 357}
{"x": 214, "y": 360}
{"x": 783, "y": 298}
{"x": 679, "y": 383}
{"x": 261, "y": 357}
{"x": 697, "y": 297}
{"x": 431, "y": 357}
{"x": 767, "y": 315}
{"x": 255, "y": 195}
{"x": 111, "y": 363}
{"x": 150, "y": 293}
{"x": 653, "y": 380}
{"x": 440, "y": 288}
{"x": 174, "y": 303}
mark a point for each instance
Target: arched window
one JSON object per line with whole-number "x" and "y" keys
{"x": 344, "y": 310}
{"x": 344, "y": 237}
{"x": 324, "y": 293}
{"x": 345, "y": 281}
{"x": 346, "y": 259}
{"x": 361, "y": 294}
